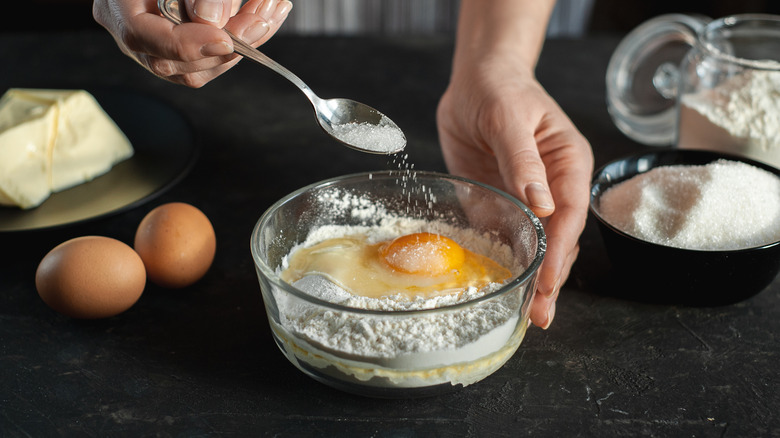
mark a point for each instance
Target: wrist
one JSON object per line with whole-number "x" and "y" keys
{"x": 509, "y": 32}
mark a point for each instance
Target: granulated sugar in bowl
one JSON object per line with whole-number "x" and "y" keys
{"x": 398, "y": 284}
{"x": 689, "y": 226}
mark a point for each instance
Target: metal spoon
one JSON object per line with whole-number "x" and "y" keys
{"x": 352, "y": 123}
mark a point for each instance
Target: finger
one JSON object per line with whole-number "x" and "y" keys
{"x": 212, "y": 12}
{"x": 256, "y": 22}
{"x": 158, "y": 37}
{"x": 524, "y": 174}
{"x": 521, "y": 167}
{"x": 570, "y": 170}
{"x": 186, "y": 59}
{"x": 200, "y": 78}
{"x": 250, "y": 28}
{"x": 193, "y": 75}
{"x": 570, "y": 261}
{"x": 543, "y": 310}
{"x": 264, "y": 9}
{"x": 562, "y": 231}
{"x": 544, "y": 306}
{"x": 280, "y": 14}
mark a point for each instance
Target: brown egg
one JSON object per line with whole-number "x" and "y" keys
{"x": 90, "y": 277}
{"x": 177, "y": 244}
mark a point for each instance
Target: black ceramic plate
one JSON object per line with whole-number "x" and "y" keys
{"x": 165, "y": 150}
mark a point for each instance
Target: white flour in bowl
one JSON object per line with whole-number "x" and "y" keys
{"x": 407, "y": 342}
{"x": 460, "y": 345}
{"x": 389, "y": 337}
{"x": 724, "y": 205}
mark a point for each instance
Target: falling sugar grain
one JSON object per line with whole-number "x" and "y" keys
{"x": 419, "y": 198}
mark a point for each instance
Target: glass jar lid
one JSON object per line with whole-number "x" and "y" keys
{"x": 643, "y": 75}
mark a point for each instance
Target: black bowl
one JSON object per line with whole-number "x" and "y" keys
{"x": 648, "y": 271}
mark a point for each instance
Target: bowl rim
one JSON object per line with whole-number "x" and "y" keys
{"x": 708, "y": 155}
{"x": 518, "y": 280}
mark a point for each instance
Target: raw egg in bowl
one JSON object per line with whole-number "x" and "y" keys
{"x": 396, "y": 284}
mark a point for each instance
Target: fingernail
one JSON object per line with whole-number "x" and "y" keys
{"x": 554, "y": 289}
{"x": 538, "y": 196}
{"x": 266, "y": 9}
{"x": 216, "y": 49}
{"x": 255, "y": 32}
{"x": 282, "y": 10}
{"x": 550, "y": 316}
{"x": 209, "y": 10}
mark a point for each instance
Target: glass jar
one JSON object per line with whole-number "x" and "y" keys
{"x": 697, "y": 83}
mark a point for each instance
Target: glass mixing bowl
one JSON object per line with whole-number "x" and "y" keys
{"x": 399, "y": 353}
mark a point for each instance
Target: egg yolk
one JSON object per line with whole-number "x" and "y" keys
{"x": 414, "y": 265}
{"x": 423, "y": 253}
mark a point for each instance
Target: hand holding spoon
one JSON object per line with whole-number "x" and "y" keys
{"x": 352, "y": 123}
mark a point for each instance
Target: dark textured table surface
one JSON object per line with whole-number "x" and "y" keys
{"x": 201, "y": 361}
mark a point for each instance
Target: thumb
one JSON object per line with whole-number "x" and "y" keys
{"x": 523, "y": 171}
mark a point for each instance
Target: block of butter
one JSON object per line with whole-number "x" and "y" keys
{"x": 51, "y": 140}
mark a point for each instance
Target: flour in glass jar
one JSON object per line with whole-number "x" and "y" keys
{"x": 740, "y": 115}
